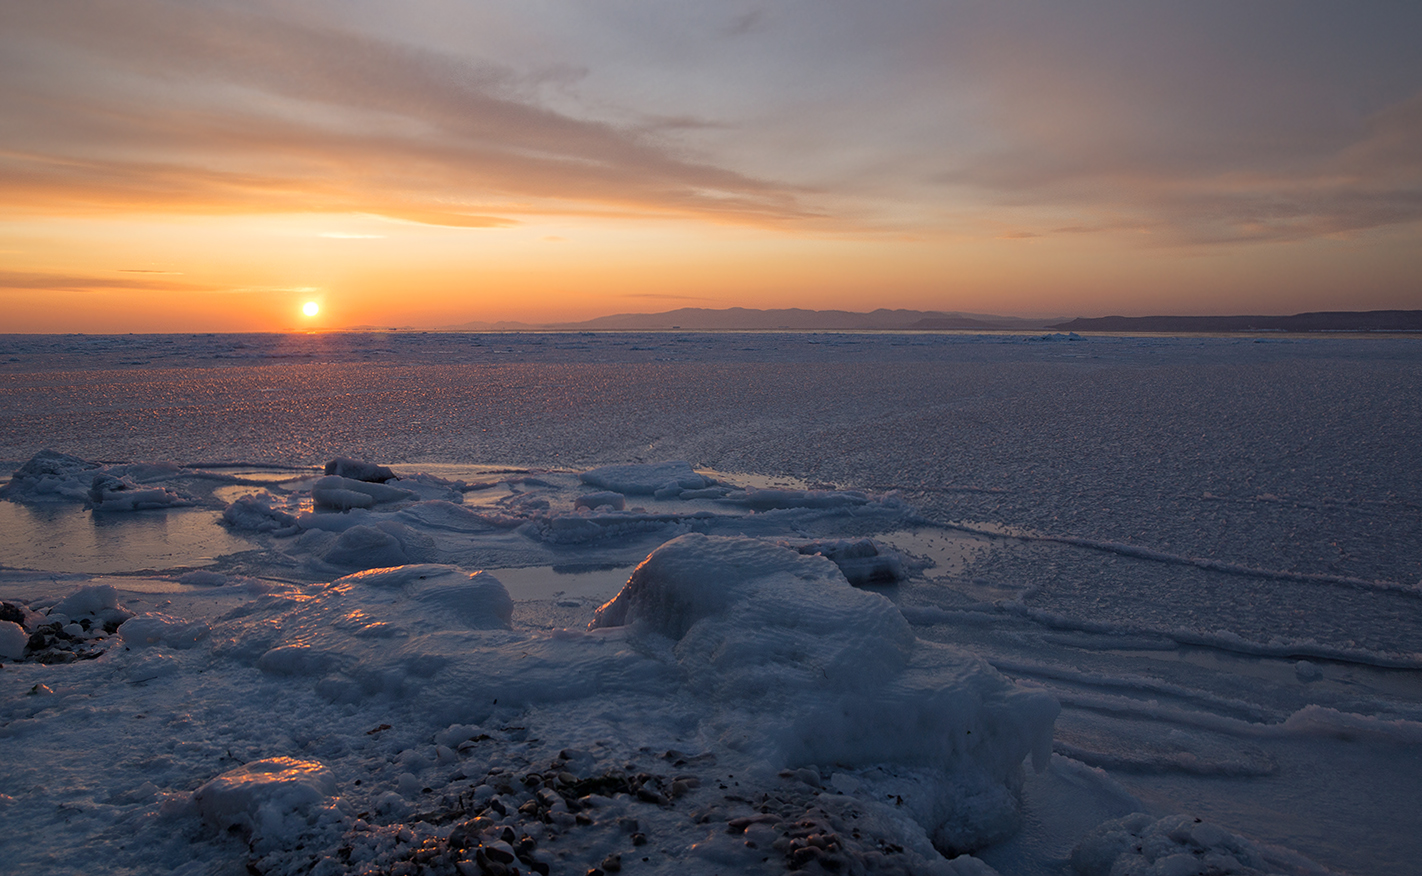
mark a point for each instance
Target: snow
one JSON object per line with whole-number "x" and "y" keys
{"x": 1153, "y": 600}
{"x": 155, "y": 628}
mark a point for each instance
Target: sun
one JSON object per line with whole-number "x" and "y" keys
{"x": 311, "y": 308}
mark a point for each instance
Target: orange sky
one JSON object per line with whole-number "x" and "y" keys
{"x": 213, "y": 166}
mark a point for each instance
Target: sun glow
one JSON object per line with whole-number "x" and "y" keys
{"x": 311, "y": 308}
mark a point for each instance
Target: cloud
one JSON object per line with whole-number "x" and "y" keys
{"x": 38, "y": 280}
{"x": 1200, "y": 123}
{"x": 152, "y": 106}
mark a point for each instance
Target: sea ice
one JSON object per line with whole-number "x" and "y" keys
{"x": 1203, "y": 549}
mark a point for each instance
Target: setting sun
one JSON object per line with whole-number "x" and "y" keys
{"x": 311, "y": 308}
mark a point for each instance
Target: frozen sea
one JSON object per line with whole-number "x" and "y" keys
{"x": 919, "y": 603}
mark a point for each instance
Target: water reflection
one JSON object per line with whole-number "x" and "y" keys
{"x": 68, "y": 538}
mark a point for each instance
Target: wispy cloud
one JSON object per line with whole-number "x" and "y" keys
{"x": 203, "y": 108}
{"x": 1199, "y": 123}
{"x": 87, "y": 282}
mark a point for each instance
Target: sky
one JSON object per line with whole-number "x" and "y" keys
{"x": 215, "y": 166}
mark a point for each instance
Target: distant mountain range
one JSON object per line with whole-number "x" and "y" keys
{"x": 745, "y": 319}
{"x": 1323, "y": 321}
{"x": 700, "y": 319}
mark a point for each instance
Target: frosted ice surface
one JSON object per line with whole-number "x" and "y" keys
{"x": 156, "y": 629}
{"x": 646, "y": 479}
{"x": 1178, "y": 845}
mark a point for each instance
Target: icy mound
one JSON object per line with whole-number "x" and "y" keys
{"x": 799, "y": 667}
{"x": 339, "y": 493}
{"x": 271, "y": 801}
{"x": 97, "y": 603}
{"x": 660, "y": 479}
{"x": 476, "y": 602}
{"x": 51, "y": 475}
{"x": 256, "y": 514}
{"x": 1177, "y": 845}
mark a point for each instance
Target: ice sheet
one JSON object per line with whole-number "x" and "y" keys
{"x": 1205, "y": 550}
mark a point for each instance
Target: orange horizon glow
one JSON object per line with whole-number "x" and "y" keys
{"x": 174, "y": 168}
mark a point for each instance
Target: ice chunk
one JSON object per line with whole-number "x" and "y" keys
{"x": 270, "y": 801}
{"x": 368, "y": 547}
{"x": 378, "y": 545}
{"x": 359, "y": 470}
{"x": 646, "y": 479}
{"x": 87, "y": 601}
{"x": 478, "y": 601}
{"x": 96, "y": 601}
{"x": 13, "y": 639}
{"x": 50, "y": 474}
{"x": 1139, "y": 845}
{"x": 697, "y": 576}
{"x": 256, "y": 514}
{"x": 109, "y": 493}
{"x": 862, "y": 560}
{"x": 338, "y": 493}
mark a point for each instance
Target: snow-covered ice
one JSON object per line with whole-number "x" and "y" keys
{"x": 710, "y": 603}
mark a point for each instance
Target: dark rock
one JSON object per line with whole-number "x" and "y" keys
{"x": 500, "y": 851}
{"x": 647, "y": 795}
